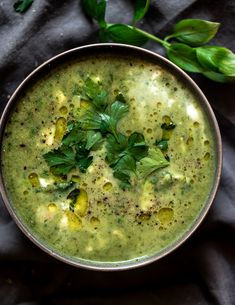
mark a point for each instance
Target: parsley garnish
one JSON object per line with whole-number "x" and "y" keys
{"x": 123, "y": 153}
{"x": 155, "y": 160}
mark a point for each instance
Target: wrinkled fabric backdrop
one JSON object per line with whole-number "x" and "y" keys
{"x": 202, "y": 271}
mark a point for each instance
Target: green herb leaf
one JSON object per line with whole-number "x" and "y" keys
{"x": 61, "y": 160}
{"x": 195, "y": 32}
{"x": 91, "y": 120}
{"x": 124, "y": 33}
{"x": 22, "y": 6}
{"x": 92, "y": 139}
{"x": 141, "y": 8}
{"x": 154, "y": 161}
{"x": 64, "y": 159}
{"x": 125, "y": 164}
{"x": 210, "y": 56}
{"x": 218, "y": 77}
{"x": 227, "y": 65}
{"x": 123, "y": 153}
{"x": 136, "y": 146}
{"x": 74, "y": 134}
{"x": 91, "y": 89}
{"x": 83, "y": 161}
{"x": 96, "y": 9}
{"x": 124, "y": 178}
{"x": 184, "y": 57}
{"x": 162, "y": 144}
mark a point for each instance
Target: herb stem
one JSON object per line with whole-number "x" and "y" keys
{"x": 155, "y": 38}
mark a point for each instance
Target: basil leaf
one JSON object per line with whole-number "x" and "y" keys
{"x": 195, "y": 32}
{"x": 227, "y": 64}
{"x": 210, "y": 56}
{"x": 22, "y": 6}
{"x": 123, "y": 33}
{"x": 141, "y": 8}
{"x": 96, "y": 9}
{"x": 185, "y": 57}
{"x": 218, "y": 77}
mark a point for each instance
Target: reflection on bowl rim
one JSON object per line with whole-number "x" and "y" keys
{"x": 136, "y": 51}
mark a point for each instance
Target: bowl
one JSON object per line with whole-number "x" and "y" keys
{"x": 135, "y": 53}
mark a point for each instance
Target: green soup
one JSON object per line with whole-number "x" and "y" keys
{"x": 108, "y": 159}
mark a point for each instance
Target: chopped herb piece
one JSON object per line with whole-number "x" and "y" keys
{"x": 162, "y": 144}
{"x": 154, "y": 161}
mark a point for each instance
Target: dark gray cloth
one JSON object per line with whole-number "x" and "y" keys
{"x": 200, "y": 272}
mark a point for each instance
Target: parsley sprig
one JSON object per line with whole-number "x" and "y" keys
{"x": 127, "y": 155}
{"x": 185, "y": 46}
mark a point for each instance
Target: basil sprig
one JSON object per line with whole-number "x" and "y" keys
{"x": 185, "y": 46}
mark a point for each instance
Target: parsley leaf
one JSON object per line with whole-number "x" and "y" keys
{"x": 106, "y": 121}
{"x": 74, "y": 134}
{"x": 22, "y": 6}
{"x": 83, "y": 161}
{"x": 92, "y": 139}
{"x": 64, "y": 159}
{"x": 154, "y": 161}
{"x": 123, "y": 153}
{"x": 61, "y": 160}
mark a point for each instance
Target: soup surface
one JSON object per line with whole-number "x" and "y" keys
{"x": 108, "y": 159}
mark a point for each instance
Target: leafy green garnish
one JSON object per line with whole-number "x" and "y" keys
{"x": 74, "y": 134}
{"x": 186, "y": 52}
{"x": 123, "y": 33}
{"x": 105, "y": 121}
{"x": 123, "y": 153}
{"x": 162, "y": 144}
{"x": 92, "y": 139}
{"x": 61, "y": 160}
{"x": 22, "y": 6}
{"x": 195, "y": 32}
{"x": 154, "y": 161}
{"x": 141, "y": 8}
{"x": 64, "y": 159}
{"x": 96, "y": 9}
{"x": 185, "y": 57}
